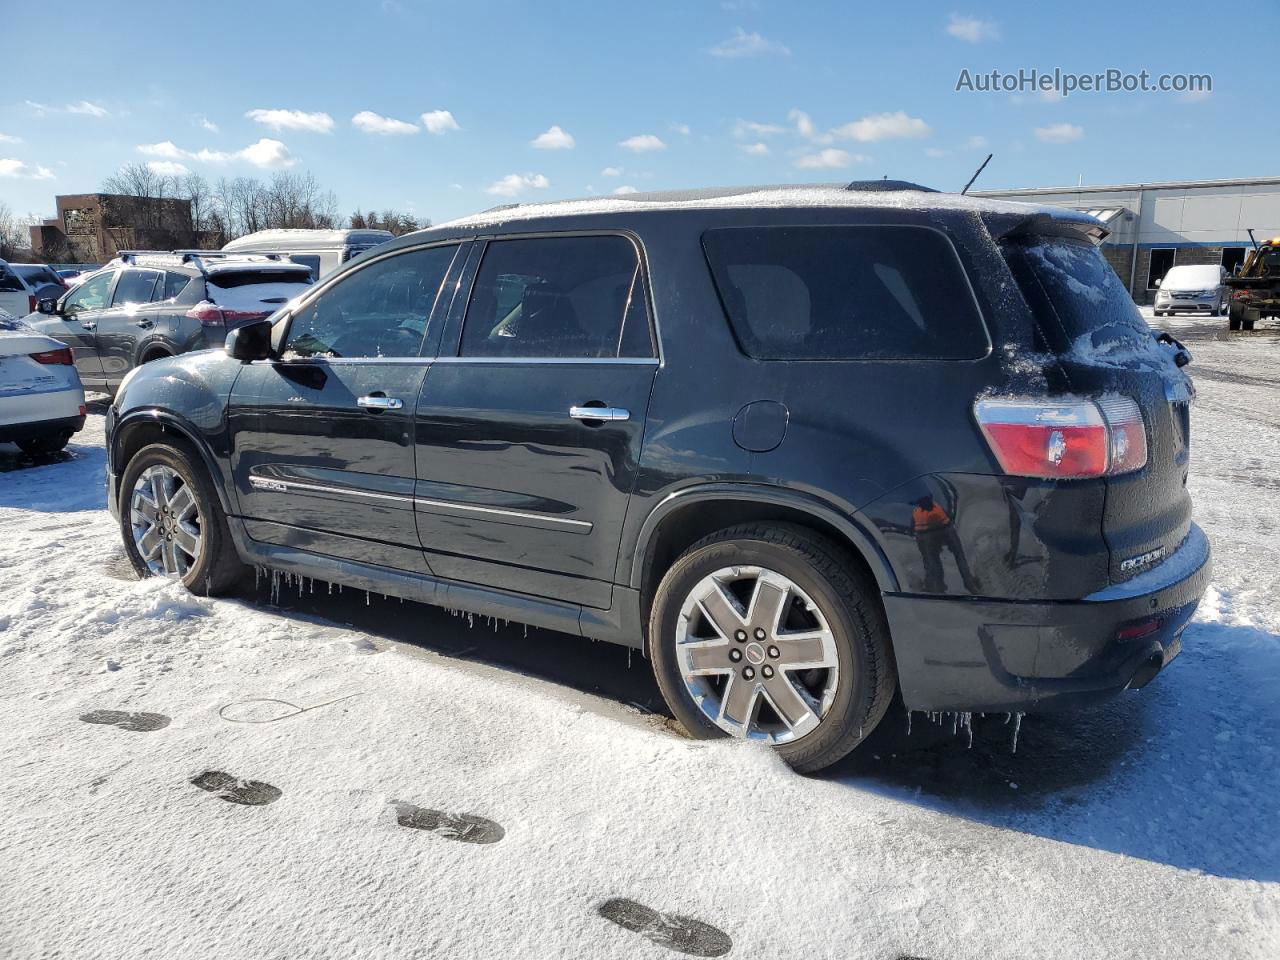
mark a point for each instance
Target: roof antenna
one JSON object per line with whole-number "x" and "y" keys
{"x": 975, "y": 174}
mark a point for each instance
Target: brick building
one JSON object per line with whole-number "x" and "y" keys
{"x": 93, "y": 227}
{"x": 1155, "y": 226}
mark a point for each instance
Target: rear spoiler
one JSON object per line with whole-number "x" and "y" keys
{"x": 1069, "y": 223}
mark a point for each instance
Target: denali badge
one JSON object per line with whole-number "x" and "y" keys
{"x": 1142, "y": 559}
{"x": 263, "y": 483}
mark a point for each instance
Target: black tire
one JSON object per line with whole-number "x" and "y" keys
{"x": 848, "y": 599}
{"x": 1235, "y": 317}
{"x": 47, "y": 445}
{"x": 218, "y": 567}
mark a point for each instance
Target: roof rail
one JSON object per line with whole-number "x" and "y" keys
{"x": 194, "y": 257}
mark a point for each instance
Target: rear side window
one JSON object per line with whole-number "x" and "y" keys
{"x": 558, "y": 297}
{"x": 1074, "y": 292}
{"x": 174, "y": 284}
{"x": 309, "y": 260}
{"x": 845, "y": 293}
{"x": 9, "y": 282}
{"x": 136, "y": 286}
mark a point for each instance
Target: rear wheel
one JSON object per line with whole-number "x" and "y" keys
{"x": 1235, "y": 317}
{"x": 172, "y": 522}
{"x": 44, "y": 446}
{"x": 772, "y": 633}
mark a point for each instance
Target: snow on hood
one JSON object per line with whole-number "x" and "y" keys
{"x": 1192, "y": 277}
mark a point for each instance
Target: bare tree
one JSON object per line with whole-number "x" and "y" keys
{"x": 13, "y": 234}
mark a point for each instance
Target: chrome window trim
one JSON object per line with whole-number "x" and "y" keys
{"x": 275, "y": 485}
{"x": 633, "y": 361}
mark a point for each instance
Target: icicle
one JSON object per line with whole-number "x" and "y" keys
{"x": 908, "y": 723}
{"x": 1017, "y": 725}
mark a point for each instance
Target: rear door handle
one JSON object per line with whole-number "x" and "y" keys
{"x": 599, "y": 413}
{"x": 89, "y": 325}
{"x": 376, "y": 402}
{"x": 145, "y": 323}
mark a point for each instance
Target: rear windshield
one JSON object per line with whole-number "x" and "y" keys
{"x": 845, "y": 293}
{"x": 1074, "y": 292}
{"x": 239, "y": 278}
{"x": 35, "y": 273}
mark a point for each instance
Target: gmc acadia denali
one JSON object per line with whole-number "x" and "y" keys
{"x": 804, "y": 447}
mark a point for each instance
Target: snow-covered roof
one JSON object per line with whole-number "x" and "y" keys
{"x": 778, "y": 196}
{"x": 297, "y": 239}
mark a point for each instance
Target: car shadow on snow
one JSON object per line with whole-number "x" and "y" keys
{"x": 1176, "y": 773}
{"x": 1168, "y": 774}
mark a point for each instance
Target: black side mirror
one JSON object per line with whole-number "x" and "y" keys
{"x": 250, "y": 342}
{"x": 48, "y": 307}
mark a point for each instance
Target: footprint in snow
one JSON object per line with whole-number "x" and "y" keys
{"x": 136, "y": 722}
{"x": 452, "y": 826}
{"x": 671, "y": 930}
{"x": 250, "y": 793}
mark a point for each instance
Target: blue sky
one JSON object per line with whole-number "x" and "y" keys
{"x": 453, "y": 98}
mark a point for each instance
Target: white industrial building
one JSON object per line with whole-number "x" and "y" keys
{"x": 1157, "y": 225}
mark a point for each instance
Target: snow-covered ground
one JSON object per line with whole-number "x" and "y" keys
{"x": 1149, "y": 827}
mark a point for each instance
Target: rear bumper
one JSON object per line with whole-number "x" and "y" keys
{"x": 994, "y": 655}
{"x": 12, "y": 432}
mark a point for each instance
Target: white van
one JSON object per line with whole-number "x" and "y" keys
{"x": 322, "y": 250}
{"x": 1199, "y": 288}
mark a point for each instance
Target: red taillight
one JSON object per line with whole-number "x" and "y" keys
{"x": 1143, "y": 628}
{"x": 31, "y": 303}
{"x": 212, "y": 315}
{"x": 1071, "y": 439}
{"x": 58, "y": 358}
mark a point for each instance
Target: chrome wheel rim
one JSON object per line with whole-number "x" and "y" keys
{"x": 757, "y": 654}
{"x": 165, "y": 522}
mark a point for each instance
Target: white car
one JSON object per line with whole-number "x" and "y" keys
{"x": 16, "y": 297}
{"x": 41, "y": 399}
{"x": 1197, "y": 288}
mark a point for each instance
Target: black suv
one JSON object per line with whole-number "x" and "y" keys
{"x": 804, "y": 447}
{"x": 147, "y": 305}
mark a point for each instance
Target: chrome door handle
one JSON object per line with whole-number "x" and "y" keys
{"x": 599, "y": 413}
{"x": 380, "y": 403}
{"x": 89, "y": 325}
{"x": 144, "y": 323}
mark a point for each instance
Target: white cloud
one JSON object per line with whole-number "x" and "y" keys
{"x": 1059, "y": 133}
{"x": 642, "y": 143}
{"x": 1050, "y": 96}
{"x": 743, "y": 44}
{"x": 554, "y": 138}
{"x": 16, "y": 168}
{"x": 804, "y": 125}
{"x": 681, "y": 128}
{"x": 516, "y": 183}
{"x": 829, "y": 159}
{"x": 167, "y": 168}
{"x": 280, "y": 119}
{"x": 976, "y": 142}
{"x": 268, "y": 154}
{"x": 165, "y": 148}
{"x": 6, "y": 138}
{"x": 611, "y": 172}
{"x": 936, "y": 152}
{"x": 369, "y": 122}
{"x": 625, "y": 189}
{"x": 208, "y": 124}
{"x": 883, "y": 126}
{"x": 755, "y": 149}
{"x": 972, "y": 30}
{"x": 439, "y": 121}
{"x": 87, "y": 108}
{"x": 743, "y": 128}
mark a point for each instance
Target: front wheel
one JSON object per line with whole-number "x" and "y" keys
{"x": 772, "y": 633}
{"x": 172, "y": 522}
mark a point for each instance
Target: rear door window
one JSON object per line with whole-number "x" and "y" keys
{"x": 9, "y": 282}
{"x": 845, "y": 293}
{"x": 136, "y": 286}
{"x": 558, "y": 297}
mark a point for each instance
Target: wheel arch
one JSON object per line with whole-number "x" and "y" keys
{"x": 686, "y": 516}
{"x": 141, "y": 428}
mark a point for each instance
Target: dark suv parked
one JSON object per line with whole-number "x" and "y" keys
{"x": 804, "y": 447}
{"x": 144, "y": 306}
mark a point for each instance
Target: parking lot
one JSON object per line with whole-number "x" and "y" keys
{"x": 426, "y": 784}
